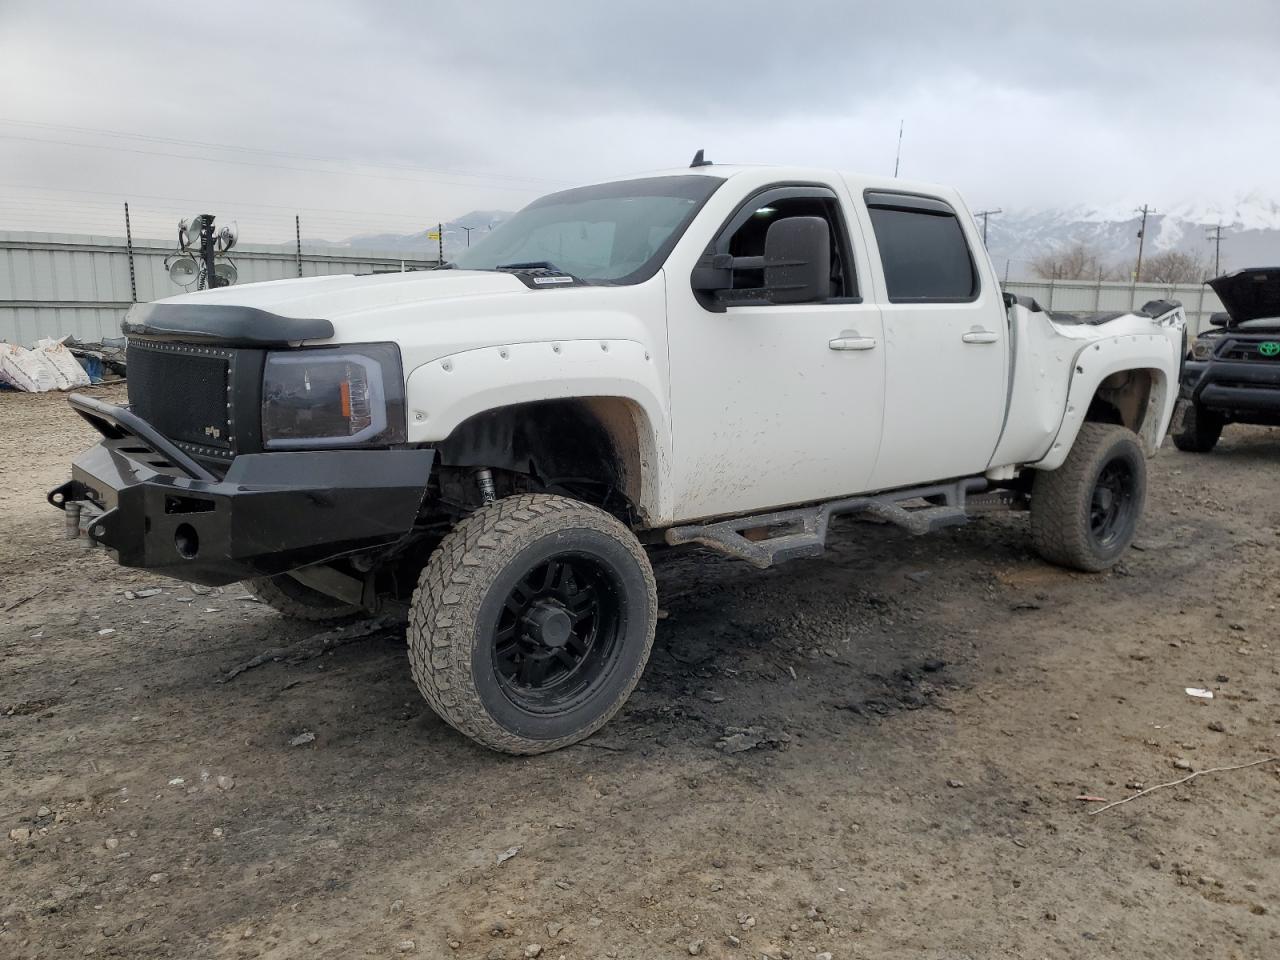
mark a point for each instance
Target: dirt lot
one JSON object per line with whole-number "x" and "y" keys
{"x": 913, "y": 721}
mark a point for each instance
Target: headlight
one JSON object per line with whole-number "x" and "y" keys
{"x": 1201, "y": 349}
{"x": 350, "y": 395}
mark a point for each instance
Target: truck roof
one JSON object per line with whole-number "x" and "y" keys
{"x": 772, "y": 172}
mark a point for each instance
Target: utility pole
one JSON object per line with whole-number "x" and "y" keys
{"x": 468, "y": 229}
{"x": 1215, "y": 235}
{"x": 898, "y": 157}
{"x": 297, "y": 240}
{"x": 128, "y": 245}
{"x": 1142, "y": 235}
{"x": 984, "y": 214}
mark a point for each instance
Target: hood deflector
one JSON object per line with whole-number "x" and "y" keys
{"x": 220, "y": 323}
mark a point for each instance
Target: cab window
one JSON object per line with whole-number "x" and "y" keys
{"x": 922, "y": 249}
{"x": 744, "y": 236}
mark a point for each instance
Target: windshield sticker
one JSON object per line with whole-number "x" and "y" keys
{"x": 541, "y": 280}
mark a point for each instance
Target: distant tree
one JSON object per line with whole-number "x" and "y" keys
{"x": 1173, "y": 266}
{"x": 1077, "y": 262}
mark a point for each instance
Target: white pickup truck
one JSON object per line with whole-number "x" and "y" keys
{"x": 719, "y": 355}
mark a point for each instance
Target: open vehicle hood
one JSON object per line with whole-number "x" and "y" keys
{"x": 1250, "y": 294}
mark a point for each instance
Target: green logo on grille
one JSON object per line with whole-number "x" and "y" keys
{"x": 1269, "y": 348}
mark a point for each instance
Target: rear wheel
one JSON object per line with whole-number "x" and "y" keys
{"x": 1200, "y": 429}
{"x": 293, "y": 599}
{"x": 532, "y": 623}
{"x": 1084, "y": 514}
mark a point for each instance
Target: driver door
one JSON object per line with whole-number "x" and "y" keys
{"x": 775, "y": 404}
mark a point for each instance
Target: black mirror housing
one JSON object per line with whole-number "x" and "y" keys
{"x": 797, "y": 260}
{"x": 1220, "y": 319}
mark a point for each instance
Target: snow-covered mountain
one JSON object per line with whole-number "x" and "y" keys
{"x": 1250, "y": 233}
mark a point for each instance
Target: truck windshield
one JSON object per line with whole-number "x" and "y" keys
{"x": 612, "y": 233}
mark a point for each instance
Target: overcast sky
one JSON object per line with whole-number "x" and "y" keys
{"x": 368, "y": 117}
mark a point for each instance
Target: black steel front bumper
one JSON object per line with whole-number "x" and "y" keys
{"x": 1244, "y": 390}
{"x": 271, "y": 512}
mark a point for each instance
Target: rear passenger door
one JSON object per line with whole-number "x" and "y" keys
{"x": 945, "y": 342}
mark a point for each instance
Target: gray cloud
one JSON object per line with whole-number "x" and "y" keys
{"x": 489, "y": 104}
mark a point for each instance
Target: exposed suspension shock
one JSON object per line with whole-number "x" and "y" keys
{"x": 484, "y": 480}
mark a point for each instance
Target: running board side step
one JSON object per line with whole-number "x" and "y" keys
{"x": 802, "y": 532}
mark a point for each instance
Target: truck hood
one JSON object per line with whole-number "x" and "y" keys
{"x": 428, "y": 314}
{"x": 1250, "y": 294}
{"x": 342, "y": 296}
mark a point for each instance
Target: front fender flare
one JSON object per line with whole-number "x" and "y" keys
{"x": 448, "y": 390}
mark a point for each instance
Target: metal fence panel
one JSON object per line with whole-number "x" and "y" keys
{"x": 52, "y": 284}
{"x": 1090, "y": 296}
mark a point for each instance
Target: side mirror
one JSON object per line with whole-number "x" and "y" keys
{"x": 797, "y": 260}
{"x": 1220, "y": 319}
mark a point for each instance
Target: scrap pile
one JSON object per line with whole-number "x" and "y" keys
{"x": 62, "y": 364}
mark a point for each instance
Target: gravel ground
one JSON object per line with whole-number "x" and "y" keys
{"x": 876, "y": 754}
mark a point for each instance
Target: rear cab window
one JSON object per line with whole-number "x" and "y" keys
{"x": 923, "y": 250}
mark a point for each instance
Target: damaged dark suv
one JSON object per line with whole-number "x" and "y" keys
{"x": 1232, "y": 374}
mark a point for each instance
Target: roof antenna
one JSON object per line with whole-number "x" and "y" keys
{"x": 699, "y": 160}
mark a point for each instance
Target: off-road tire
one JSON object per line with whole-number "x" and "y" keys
{"x": 1062, "y": 499}
{"x": 463, "y": 583}
{"x": 1199, "y": 431}
{"x": 287, "y": 596}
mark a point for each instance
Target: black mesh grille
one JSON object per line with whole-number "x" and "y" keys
{"x": 182, "y": 391}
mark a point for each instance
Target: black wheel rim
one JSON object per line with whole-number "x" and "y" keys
{"x": 557, "y": 633}
{"x": 1111, "y": 506}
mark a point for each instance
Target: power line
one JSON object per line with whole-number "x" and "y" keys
{"x": 160, "y": 223}
{"x": 198, "y": 200}
{"x": 153, "y": 223}
{"x": 86, "y": 210}
{"x": 267, "y": 166}
{"x": 204, "y": 144}
{"x": 74, "y": 215}
{"x": 289, "y": 207}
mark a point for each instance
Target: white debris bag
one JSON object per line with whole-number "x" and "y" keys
{"x": 27, "y": 369}
{"x": 70, "y": 373}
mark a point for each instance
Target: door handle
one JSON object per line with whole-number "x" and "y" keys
{"x": 980, "y": 336}
{"x": 854, "y": 342}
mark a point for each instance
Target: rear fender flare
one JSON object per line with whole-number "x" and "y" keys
{"x": 1152, "y": 353}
